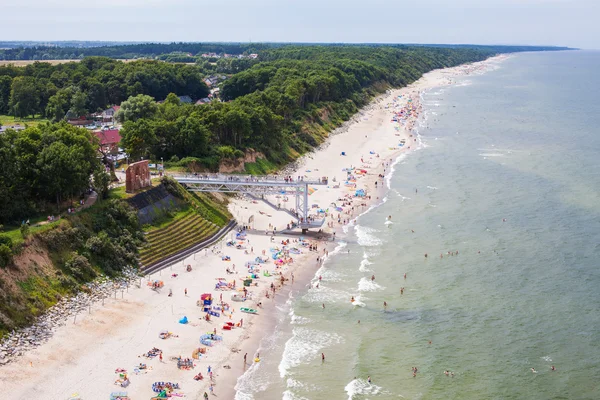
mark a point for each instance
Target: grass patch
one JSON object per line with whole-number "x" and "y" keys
{"x": 8, "y": 120}
{"x": 166, "y": 220}
{"x": 262, "y": 166}
{"x": 174, "y": 236}
{"x": 14, "y": 232}
{"x": 118, "y": 192}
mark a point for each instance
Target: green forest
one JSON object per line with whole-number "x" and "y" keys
{"x": 119, "y": 51}
{"x": 46, "y": 165}
{"x": 91, "y": 85}
{"x": 282, "y": 107}
{"x": 80, "y": 50}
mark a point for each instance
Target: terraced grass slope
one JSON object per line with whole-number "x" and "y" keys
{"x": 185, "y": 232}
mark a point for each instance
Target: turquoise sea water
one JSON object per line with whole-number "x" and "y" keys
{"x": 509, "y": 176}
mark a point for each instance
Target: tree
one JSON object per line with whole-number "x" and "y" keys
{"x": 58, "y": 105}
{"x": 137, "y": 107}
{"x": 78, "y": 104}
{"x": 66, "y": 162}
{"x": 5, "y": 85}
{"x": 24, "y": 96}
{"x": 138, "y": 138}
{"x": 100, "y": 182}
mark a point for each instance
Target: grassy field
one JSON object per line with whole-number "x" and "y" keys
{"x": 24, "y": 63}
{"x": 9, "y": 120}
{"x": 41, "y": 224}
{"x": 119, "y": 191}
{"x": 184, "y": 230}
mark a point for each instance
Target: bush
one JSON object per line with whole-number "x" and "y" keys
{"x": 174, "y": 159}
{"x": 5, "y": 255}
{"x": 24, "y": 230}
{"x": 6, "y": 240}
{"x": 79, "y": 266}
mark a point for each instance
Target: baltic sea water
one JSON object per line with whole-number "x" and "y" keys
{"x": 508, "y": 175}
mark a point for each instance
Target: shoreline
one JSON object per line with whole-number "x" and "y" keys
{"x": 81, "y": 358}
{"x": 382, "y": 190}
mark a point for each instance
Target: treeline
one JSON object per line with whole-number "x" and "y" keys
{"x": 270, "y": 104}
{"x": 91, "y": 85}
{"x": 141, "y": 50}
{"x": 44, "y": 165}
{"x": 80, "y": 50}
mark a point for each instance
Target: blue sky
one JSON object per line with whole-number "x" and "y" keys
{"x": 552, "y": 22}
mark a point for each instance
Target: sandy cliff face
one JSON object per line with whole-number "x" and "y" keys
{"x": 239, "y": 164}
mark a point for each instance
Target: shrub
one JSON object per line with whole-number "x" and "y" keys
{"x": 24, "y": 230}
{"x": 6, "y": 240}
{"x": 79, "y": 266}
{"x": 5, "y": 255}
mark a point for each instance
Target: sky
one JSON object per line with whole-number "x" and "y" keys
{"x": 572, "y": 23}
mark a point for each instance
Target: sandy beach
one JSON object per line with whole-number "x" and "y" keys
{"x": 89, "y": 356}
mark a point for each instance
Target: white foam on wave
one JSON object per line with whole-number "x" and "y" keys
{"x": 304, "y": 346}
{"x": 367, "y": 285}
{"x": 360, "y": 387}
{"x": 288, "y": 395}
{"x": 358, "y": 301}
{"x": 491, "y": 155}
{"x": 333, "y": 252}
{"x": 239, "y": 395}
{"x": 297, "y": 319}
{"x": 432, "y": 187}
{"x": 364, "y": 263}
{"x": 547, "y": 359}
{"x": 388, "y": 176}
{"x": 324, "y": 294}
{"x": 365, "y": 236}
{"x": 252, "y": 381}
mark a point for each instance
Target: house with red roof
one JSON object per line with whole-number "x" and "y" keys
{"x": 108, "y": 115}
{"x": 109, "y": 140}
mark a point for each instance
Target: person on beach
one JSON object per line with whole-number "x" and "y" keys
{"x": 384, "y": 305}
{"x": 245, "y": 358}
{"x": 533, "y": 370}
{"x": 553, "y": 368}
{"x": 160, "y": 356}
{"x": 322, "y": 357}
{"x": 405, "y": 275}
{"x": 352, "y": 299}
{"x": 369, "y": 378}
{"x": 401, "y": 290}
{"x": 185, "y": 291}
{"x": 205, "y": 396}
{"x": 372, "y": 278}
{"x": 323, "y": 305}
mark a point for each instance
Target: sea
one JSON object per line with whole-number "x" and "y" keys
{"x": 503, "y": 195}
